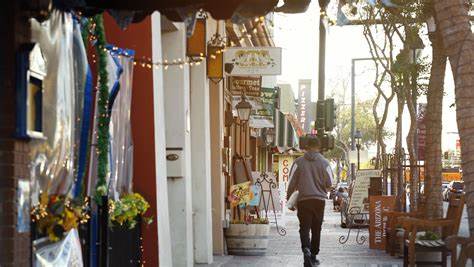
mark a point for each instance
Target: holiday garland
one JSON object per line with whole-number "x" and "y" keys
{"x": 102, "y": 145}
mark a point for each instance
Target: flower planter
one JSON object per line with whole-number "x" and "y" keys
{"x": 124, "y": 245}
{"x": 247, "y": 239}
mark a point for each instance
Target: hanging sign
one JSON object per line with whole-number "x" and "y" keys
{"x": 359, "y": 202}
{"x": 378, "y": 222}
{"x": 284, "y": 167}
{"x": 252, "y": 61}
{"x": 249, "y": 85}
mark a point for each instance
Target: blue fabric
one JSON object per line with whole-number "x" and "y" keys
{"x": 86, "y": 122}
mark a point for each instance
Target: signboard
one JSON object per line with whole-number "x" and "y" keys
{"x": 421, "y": 131}
{"x": 284, "y": 167}
{"x": 378, "y": 222}
{"x": 248, "y": 85}
{"x": 360, "y": 192}
{"x": 252, "y": 61}
{"x": 262, "y": 108}
{"x": 306, "y": 109}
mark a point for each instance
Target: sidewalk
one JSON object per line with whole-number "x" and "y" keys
{"x": 285, "y": 250}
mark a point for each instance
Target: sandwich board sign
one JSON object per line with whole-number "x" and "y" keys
{"x": 359, "y": 202}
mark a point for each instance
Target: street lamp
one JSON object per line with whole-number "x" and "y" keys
{"x": 358, "y": 138}
{"x": 269, "y": 136}
{"x": 431, "y": 24}
{"x": 244, "y": 109}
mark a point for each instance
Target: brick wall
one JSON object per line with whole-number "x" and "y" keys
{"x": 14, "y": 246}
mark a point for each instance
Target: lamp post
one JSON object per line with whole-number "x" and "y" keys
{"x": 358, "y": 138}
{"x": 353, "y": 141}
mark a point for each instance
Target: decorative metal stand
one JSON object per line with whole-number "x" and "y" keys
{"x": 264, "y": 178}
{"x": 355, "y": 219}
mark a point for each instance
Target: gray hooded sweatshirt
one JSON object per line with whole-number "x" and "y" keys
{"x": 311, "y": 175}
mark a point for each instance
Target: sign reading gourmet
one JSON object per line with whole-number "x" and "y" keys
{"x": 252, "y": 61}
{"x": 248, "y": 85}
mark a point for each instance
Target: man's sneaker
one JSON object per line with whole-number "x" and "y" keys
{"x": 314, "y": 260}
{"x": 308, "y": 262}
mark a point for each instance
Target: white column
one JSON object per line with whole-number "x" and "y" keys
{"x": 177, "y": 116}
{"x": 216, "y": 103}
{"x": 164, "y": 237}
{"x": 201, "y": 165}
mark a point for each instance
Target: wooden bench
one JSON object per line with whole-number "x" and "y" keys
{"x": 449, "y": 226}
{"x": 467, "y": 250}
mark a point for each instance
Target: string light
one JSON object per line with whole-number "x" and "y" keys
{"x": 147, "y": 62}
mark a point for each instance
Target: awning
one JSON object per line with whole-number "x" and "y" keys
{"x": 179, "y": 10}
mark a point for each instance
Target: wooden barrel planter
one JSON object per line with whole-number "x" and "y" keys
{"x": 247, "y": 239}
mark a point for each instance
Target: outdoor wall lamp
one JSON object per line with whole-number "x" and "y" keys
{"x": 244, "y": 109}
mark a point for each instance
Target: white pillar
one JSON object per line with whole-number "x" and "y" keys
{"x": 177, "y": 113}
{"x": 164, "y": 237}
{"x": 201, "y": 164}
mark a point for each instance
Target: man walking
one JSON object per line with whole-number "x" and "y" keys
{"x": 311, "y": 176}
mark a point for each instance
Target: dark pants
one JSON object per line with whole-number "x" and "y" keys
{"x": 310, "y": 215}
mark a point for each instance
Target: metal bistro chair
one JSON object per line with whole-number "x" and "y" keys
{"x": 449, "y": 225}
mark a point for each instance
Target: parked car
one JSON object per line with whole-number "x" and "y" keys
{"x": 454, "y": 187}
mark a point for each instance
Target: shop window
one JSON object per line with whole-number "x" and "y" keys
{"x": 29, "y": 92}
{"x": 34, "y": 106}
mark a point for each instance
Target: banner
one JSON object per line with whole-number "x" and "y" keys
{"x": 359, "y": 201}
{"x": 421, "y": 131}
{"x": 66, "y": 252}
{"x": 378, "y": 222}
{"x": 251, "y": 86}
{"x": 252, "y": 61}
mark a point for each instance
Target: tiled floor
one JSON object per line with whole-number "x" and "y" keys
{"x": 285, "y": 250}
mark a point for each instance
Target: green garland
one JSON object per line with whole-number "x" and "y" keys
{"x": 102, "y": 105}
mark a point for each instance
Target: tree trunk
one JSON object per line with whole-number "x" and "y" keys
{"x": 452, "y": 20}
{"x": 411, "y": 147}
{"x": 433, "y": 122}
{"x": 399, "y": 180}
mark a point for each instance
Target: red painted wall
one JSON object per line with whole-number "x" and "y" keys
{"x": 138, "y": 37}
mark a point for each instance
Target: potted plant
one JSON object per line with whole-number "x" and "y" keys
{"x": 427, "y": 255}
{"x": 56, "y": 215}
{"x": 125, "y": 238}
{"x": 248, "y": 237}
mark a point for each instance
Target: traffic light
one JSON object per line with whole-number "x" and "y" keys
{"x": 325, "y": 115}
{"x": 329, "y": 109}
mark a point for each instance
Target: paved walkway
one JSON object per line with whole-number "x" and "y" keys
{"x": 285, "y": 251}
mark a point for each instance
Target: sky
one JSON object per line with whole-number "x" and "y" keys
{"x": 297, "y": 34}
